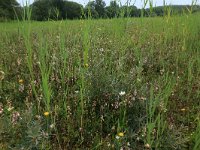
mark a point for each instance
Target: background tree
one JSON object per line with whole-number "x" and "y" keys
{"x": 134, "y": 11}
{"x": 90, "y": 10}
{"x": 129, "y": 11}
{"x": 9, "y": 9}
{"x": 72, "y": 10}
{"x": 41, "y": 10}
{"x": 55, "y": 9}
{"x": 112, "y": 10}
{"x": 100, "y": 8}
{"x": 96, "y": 9}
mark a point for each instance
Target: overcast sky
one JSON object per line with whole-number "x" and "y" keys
{"x": 138, "y": 3}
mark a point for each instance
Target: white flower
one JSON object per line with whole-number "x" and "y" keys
{"x": 10, "y": 108}
{"x": 101, "y": 49}
{"x": 52, "y": 126}
{"x": 109, "y": 144}
{"x": 117, "y": 137}
{"x": 77, "y": 92}
{"x": 122, "y": 93}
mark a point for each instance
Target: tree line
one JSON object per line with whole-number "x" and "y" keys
{"x": 42, "y": 10}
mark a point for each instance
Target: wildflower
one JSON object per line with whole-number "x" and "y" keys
{"x": 101, "y": 49}
{"x": 52, "y": 126}
{"x": 46, "y": 113}
{"x": 76, "y": 91}
{"x": 121, "y": 134}
{"x": 86, "y": 65}
{"x": 2, "y": 74}
{"x": 183, "y": 109}
{"x": 147, "y": 146}
{"x": 117, "y": 137}
{"x": 10, "y": 108}
{"x": 21, "y": 81}
{"x": 122, "y": 93}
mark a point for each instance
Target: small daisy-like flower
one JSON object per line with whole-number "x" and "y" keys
{"x": 46, "y": 113}
{"x": 21, "y": 81}
{"x": 117, "y": 137}
{"x": 76, "y": 91}
{"x": 121, "y": 134}
{"x": 122, "y": 93}
{"x": 147, "y": 146}
{"x": 52, "y": 126}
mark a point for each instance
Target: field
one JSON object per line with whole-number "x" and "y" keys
{"x": 126, "y": 83}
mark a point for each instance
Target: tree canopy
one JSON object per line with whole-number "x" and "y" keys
{"x": 55, "y": 9}
{"x": 62, "y": 9}
{"x": 9, "y": 9}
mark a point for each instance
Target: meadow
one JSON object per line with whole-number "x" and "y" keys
{"x": 123, "y": 83}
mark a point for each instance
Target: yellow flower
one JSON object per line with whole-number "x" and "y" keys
{"x": 46, "y": 113}
{"x": 86, "y": 65}
{"x": 21, "y": 81}
{"x": 121, "y": 134}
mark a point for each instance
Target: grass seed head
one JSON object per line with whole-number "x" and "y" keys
{"x": 2, "y": 75}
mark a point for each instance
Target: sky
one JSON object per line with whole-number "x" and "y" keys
{"x": 138, "y": 3}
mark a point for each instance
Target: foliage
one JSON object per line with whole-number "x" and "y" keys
{"x": 9, "y": 9}
{"x": 61, "y": 9}
{"x": 73, "y": 10}
{"x": 122, "y": 83}
{"x": 55, "y": 9}
{"x": 113, "y": 10}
